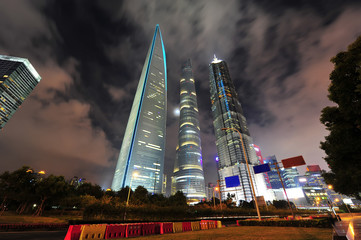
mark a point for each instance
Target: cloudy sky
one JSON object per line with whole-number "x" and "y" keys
{"x": 90, "y": 55}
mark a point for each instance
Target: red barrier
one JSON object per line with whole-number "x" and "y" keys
{"x": 73, "y": 233}
{"x": 186, "y": 226}
{"x": 134, "y": 230}
{"x": 148, "y": 229}
{"x": 157, "y": 228}
{"x": 115, "y": 231}
{"x": 166, "y": 228}
{"x": 212, "y": 224}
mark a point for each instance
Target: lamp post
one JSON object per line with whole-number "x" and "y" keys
{"x": 214, "y": 198}
{"x": 134, "y": 175}
{"x": 249, "y": 172}
{"x": 284, "y": 189}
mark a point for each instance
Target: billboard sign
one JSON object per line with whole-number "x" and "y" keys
{"x": 261, "y": 168}
{"x": 293, "y": 162}
{"x": 232, "y": 181}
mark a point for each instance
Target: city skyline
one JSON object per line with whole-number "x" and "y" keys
{"x": 74, "y": 121}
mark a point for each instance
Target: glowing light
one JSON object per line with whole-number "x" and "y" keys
{"x": 217, "y": 159}
{"x": 188, "y": 143}
{"x": 135, "y": 174}
{"x": 176, "y": 112}
{"x": 216, "y": 60}
{"x": 185, "y": 106}
{"x": 185, "y": 123}
{"x": 329, "y": 186}
{"x": 351, "y": 229}
{"x": 302, "y": 180}
{"x": 42, "y": 172}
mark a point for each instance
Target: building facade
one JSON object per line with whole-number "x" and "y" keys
{"x": 314, "y": 186}
{"x": 289, "y": 175}
{"x": 227, "y": 113}
{"x": 188, "y": 167}
{"x": 141, "y": 157}
{"x": 18, "y": 78}
{"x": 261, "y": 161}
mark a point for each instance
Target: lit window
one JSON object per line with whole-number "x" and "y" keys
{"x": 189, "y": 143}
{"x": 185, "y": 123}
{"x": 184, "y": 106}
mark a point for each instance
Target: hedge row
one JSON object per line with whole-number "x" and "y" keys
{"x": 317, "y": 223}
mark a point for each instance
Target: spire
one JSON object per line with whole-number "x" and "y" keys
{"x": 215, "y": 59}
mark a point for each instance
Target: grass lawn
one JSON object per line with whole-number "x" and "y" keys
{"x": 251, "y": 233}
{"x": 9, "y": 217}
{"x": 30, "y": 219}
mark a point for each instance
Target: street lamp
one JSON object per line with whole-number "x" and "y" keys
{"x": 249, "y": 172}
{"x": 214, "y": 201}
{"x": 134, "y": 175}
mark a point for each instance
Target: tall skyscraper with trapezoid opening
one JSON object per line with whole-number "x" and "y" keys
{"x": 141, "y": 157}
{"x": 188, "y": 167}
{"x": 18, "y": 78}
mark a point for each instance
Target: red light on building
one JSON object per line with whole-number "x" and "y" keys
{"x": 313, "y": 168}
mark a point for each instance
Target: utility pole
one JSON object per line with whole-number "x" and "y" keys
{"x": 249, "y": 172}
{"x": 284, "y": 189}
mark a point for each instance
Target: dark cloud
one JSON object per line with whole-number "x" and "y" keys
{"x": 90, "y": 55}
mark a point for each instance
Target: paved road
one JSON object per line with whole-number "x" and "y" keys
{"x": 33, "y": 235}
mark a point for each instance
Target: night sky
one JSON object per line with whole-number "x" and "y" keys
{"x": 90, "y": 55}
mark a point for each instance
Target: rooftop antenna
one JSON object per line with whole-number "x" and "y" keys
{"x": 215, "y": 59}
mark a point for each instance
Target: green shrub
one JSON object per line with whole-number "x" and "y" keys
{"x": 318, "y": 223}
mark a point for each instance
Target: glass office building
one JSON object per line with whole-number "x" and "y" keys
{"x": 141, "y": 157}
{"x": 227, "y": 113}
{"x": 188, "y": 170}
{"x": 18, "y": 78}
{"x": 289, "y": 175}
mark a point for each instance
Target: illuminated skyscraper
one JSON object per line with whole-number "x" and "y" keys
{"x": 188, "y": 170}
{"x": 227, "y": 113}
{"x": 18, "y": 78}
{"x": 141, "y": 157}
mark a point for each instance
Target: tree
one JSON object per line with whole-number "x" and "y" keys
{"x": 158, "y": 199}
{"x": 282, "y": 204}
{"x": 52, "y": 188}
{"x": 140, "y": 196}
{"x": 123, "y": 194}
{"x": 17, "y": 187}
{"x": 90, "y": 189}
{"x": 343, "y": 145}
{"x": 178, "y": 199}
